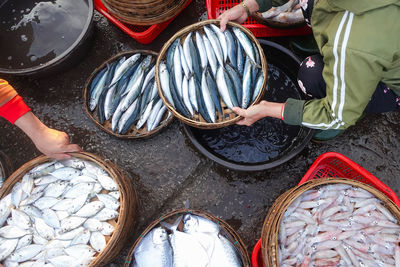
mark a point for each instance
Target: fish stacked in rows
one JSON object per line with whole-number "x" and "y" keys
{"x": 338, "y": 225}
{"x": 58, "y": 215}
{"x": 200, "y": 244}
{"x": 125, "y": 94}
{"x": 209, "y": 70}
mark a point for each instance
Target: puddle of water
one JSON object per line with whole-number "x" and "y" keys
{"x": 37, "y": 32}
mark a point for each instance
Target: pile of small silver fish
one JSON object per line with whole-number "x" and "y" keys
{"x": 289, "y": 12}
{"x": 58, "y": 215}
{"x": 200, "y": 244}
{"x": 209, "y": 70}
{"x": 125, "y": 94}
{"x": 338, "y": 225}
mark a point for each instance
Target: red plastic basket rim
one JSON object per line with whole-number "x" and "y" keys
{"x": 357, "y": 168}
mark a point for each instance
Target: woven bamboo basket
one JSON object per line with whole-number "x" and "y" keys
{"x": 270, "y": 229}
{"x": 144, "y": 12}
{"x": 133, "y": 133}
{"x": 228, "y": 117}
{"x": 226, "y": 230}
{"x": 128, "y": 211}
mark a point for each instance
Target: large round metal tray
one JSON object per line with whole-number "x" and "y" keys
{"x": 268, "y": 142}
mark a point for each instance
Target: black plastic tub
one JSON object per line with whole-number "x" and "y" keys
{"x": 39, "y": 38}
{"x": 268, "y": 142}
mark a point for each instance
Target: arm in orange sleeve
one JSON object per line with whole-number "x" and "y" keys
{"x": 12, "y": 106}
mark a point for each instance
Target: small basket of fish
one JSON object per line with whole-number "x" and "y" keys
{"x": 332, "y": 222}
{"x": 73, "y": 212}
{"x": 288, "y": 15}
{"x": 201, "y": 73}
{"x": 188, "y": 237}
{"x": 121, "y": 96}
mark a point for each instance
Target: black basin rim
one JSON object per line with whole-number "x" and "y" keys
{"x": 61, "y": 57}
{"x": 261, "y": 166}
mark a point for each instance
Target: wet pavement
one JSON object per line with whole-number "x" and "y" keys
{"x": 167, "y": 169}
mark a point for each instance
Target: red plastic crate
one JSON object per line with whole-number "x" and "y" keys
{"x": 216, "y": 7}
{"x": 332, "y": 164}
{"x": 142, "y": 34}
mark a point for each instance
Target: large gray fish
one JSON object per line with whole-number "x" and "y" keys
{"x": 215, "y": 43}
{"x": 178, "y": 71}
{"x": 224, "y": 253}
{"x": 153, "y": 114}
{"x": 95, "y": 95}
{"x": 258, "y": 85}
{"x": 236, "y": 81}
{"x": 212, "y": 60}
{"x": 134, "y": 90}
{"x": 164, "y": 79}
{"x": 154, "y": 250}
{"x": 246, "y": 84}
{"x": 186, "y": 51}
{"x": 187, "y": 251}
{"x": 128, "y": 117}
{"x": 202, "y": 50}
{"x": 145, "y": 115}
{"x": 223, "y": 88}
{"x": 185, "y": 95}
{"x": 193, "y": 93}
{"x": 222, "y": 40}
{"x": 171, "y": 51}
{"x": 185, "y": 67}
{"x": 159, "y": 117}
{"x": 231, "y": 45}
{"x": 212, "y": 85}
{"x": 124, "y": 67}
{"x": 209, "y": 104}
{"x": 246, "y": 44}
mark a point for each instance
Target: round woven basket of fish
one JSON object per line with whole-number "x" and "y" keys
{"x": 201, "y": 73}
{"x": 144, "y": 12}
{"x": 332, "y": 222}
{"x": 121, "y": 96}
{"x": 73, "y": 212}
{"x": 186, "y": 236}
{"x": 278, "y": 22}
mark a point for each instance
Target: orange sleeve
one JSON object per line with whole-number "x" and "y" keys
{"x": 12, "y": 106}
{"x": 7, "y": 92}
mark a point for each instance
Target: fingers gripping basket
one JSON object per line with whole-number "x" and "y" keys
{"x": 272, "y": 222}
{"x": 226, "y": 230}
{"x": 228, "y": 117}
{"x": 133, "y": 132}
{"x": 128, "y": 203}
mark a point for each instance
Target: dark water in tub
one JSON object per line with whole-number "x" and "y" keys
{"x": 265, "y": 140}
{"x": 35, "y": 32}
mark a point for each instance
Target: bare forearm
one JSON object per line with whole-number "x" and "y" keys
{"x": 30, "y": 125}
{"x": 271, "y": 109}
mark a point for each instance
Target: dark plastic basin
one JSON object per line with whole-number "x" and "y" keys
{"x": 43, "y": 37}
{"x": 269, "y": 142}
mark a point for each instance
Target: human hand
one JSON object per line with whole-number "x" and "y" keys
{"x": 237, "y": 13}
{"x": 54, "y": 144}
{"x": 258, "y": 111}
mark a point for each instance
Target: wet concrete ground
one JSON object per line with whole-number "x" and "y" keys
{"x": 166, "y": 169}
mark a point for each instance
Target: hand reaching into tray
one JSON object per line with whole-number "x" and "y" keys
{"x": 50, "y": 142}
{"x": 259, "y": 111}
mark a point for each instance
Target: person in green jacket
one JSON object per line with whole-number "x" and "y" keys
{"x": 357, "y": 71}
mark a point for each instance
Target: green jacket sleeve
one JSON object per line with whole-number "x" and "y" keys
{"x": 351, "y": 79}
